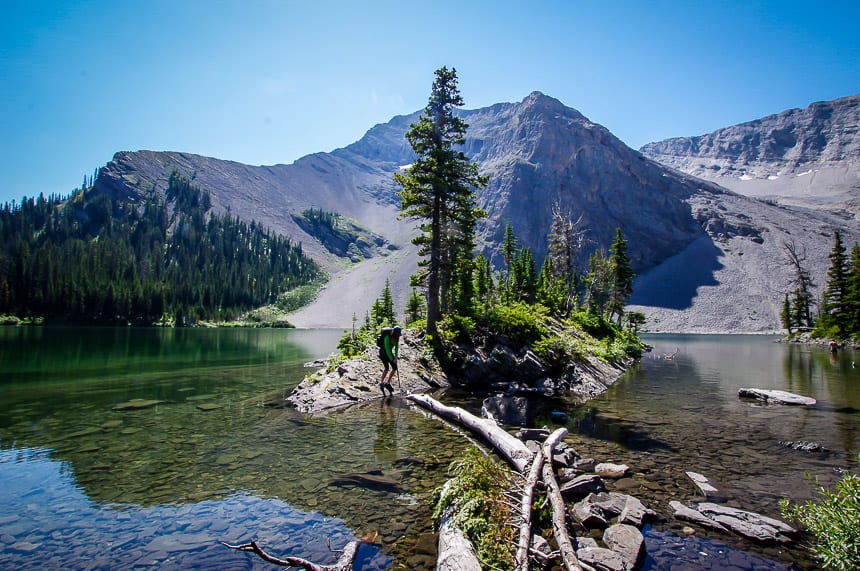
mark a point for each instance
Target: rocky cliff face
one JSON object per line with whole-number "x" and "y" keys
{"x": 808, "y": 157}
{"x": 708, "y": 259}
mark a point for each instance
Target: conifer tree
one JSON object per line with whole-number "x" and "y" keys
{"x": 509, "y": 246}
{"x": 414, "y": 307}
{"x": 622, "y": 277}
{"x": 785, "y": 315}
{"x": 484, "y": 286}
{"x": 566, "y": 240}
{"x": 835, "y": 296}
{"x": 852, "y": 301}
{"x": 801, "y": 302}
{"x": 598, "y": 283}
{"x": 438, "y": 189}
{"x": 386, "y": 305}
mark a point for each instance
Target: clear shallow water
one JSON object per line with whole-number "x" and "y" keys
{"x": 678, "y": 413}
{"x": 86, "y": 486}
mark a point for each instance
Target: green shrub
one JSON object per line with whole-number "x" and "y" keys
{"x": 595, "y": 325}
{"x": 626, "y": 345}
{"x": 475, "y": 500}
{"x": 834, "y": 522}
{"x": 456, "y": 328}
{"x": 555, "y": 350}
{"x": 520, "y": 322}
{"x": 351, "y": 345}
{"x": 824, "y": 331}
{"x": 300, "y": 296}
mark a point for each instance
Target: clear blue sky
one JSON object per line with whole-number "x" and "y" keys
{"x": 269, "y": 81}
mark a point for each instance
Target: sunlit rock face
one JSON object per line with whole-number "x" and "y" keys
{"x": 807, "y": 157}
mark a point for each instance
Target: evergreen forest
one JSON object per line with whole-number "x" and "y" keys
{"x": 90, "y": 258}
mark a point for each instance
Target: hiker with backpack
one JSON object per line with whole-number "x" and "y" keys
{"x": 389, "y": 349}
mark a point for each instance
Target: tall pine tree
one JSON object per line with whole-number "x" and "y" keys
{"x": 439, "y": 190}
{"x": 835, "y": 296}
{"x": 622, "y": 277}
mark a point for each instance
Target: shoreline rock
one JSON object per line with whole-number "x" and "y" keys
{"x": 357, "y": 380}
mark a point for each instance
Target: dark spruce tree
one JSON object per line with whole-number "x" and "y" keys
{"x": 622, "y": 277}
{"x": 438, "y": 189}
{"x": 833, "y": 306}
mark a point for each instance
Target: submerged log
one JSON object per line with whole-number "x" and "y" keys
{"x": 370, "y": 480}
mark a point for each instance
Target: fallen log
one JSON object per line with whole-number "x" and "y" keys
{"x": 776, "y": 397}
{"x": 343, "y": 563}
{"x": 522, "y": 557}
{"x": 455, "y": 549}
{"x": 508, "y": 445}
{"x": 559, "y": 513}
{"x": 520, "y": 457}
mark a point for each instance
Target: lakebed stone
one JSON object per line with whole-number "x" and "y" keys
{"x": 603, "y": 559}
{"x": 702, "y": 483}
{"x": 804, "y": 446}
{"x": 597, "y": 509}
{"x": 136, "y": 404}
{"x": 776, "y": 397}
{"x": 582, "y": 485}
{"x": 627, "y": 541}
{"x": 747, "y": 524}
{"x": 610, "y": 470}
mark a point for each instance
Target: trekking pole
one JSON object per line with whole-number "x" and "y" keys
{"x": 399, "y": 384}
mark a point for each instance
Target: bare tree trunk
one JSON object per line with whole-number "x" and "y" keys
{"x": 559, "y": 512}
{"x": 522, "y": 557}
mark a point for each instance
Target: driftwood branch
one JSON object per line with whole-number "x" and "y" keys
{"x": 559, "y": 513}
{"x": 522, "y": 557}
{"x": 344, "y": 562}
{"x": 519, "y": 456}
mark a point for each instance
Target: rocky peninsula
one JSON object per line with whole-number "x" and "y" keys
{"x": 494, "y": 363}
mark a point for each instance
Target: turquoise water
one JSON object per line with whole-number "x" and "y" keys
{"x": 90, "y": 481}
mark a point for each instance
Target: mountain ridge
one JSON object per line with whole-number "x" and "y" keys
{"x": 535, "y": 152}
{"x": 806, "y": 157}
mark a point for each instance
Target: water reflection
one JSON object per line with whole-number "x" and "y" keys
{"x": 204, "y": 436}
{"x": 212, "y": 461}
{"x": 48, "y": 522}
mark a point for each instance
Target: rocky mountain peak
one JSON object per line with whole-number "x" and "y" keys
{"x": 708, "y": 259}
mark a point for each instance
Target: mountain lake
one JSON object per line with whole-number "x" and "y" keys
{"x": 135, "y": 448}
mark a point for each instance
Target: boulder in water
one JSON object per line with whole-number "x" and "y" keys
{"x": 776, "y": 397}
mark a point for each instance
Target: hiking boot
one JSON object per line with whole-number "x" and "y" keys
{"x": 390, "y": 389}
{"x": 382, "y": 387}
